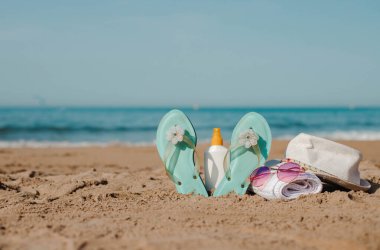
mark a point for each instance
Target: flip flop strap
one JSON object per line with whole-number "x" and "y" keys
{"x": 170, "y": 152}
{"x": 234, "y": 152}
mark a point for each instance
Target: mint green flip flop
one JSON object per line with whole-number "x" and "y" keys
{"x": 176, "y": 141}
{"x": 250, "y": 146}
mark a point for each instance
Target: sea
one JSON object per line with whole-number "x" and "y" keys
{"x": 102, "y": 126}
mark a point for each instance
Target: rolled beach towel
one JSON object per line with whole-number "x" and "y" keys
{"x": 304, "y": 184}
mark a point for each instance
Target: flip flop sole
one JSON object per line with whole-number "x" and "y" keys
{"x": 182, "y": 155}
{"x": 243, "y": 165}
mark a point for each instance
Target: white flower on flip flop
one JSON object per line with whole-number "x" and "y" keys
{"x": 175, "y": 134}
{"x": 248, "y": 138}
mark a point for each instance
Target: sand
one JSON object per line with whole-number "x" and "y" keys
{"x": 120, "y": 197}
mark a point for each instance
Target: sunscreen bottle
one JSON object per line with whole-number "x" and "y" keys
{"x": 214, "y": 160}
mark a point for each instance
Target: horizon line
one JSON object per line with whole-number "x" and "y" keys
{"x": 194, "y": 107}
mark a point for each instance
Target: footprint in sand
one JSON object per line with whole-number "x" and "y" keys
{"x": 52, "y": 187}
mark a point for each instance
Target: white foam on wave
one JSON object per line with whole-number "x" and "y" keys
{"x": 64, "y": 144}
{"x": 335, "y": 135}
{"x": 341, "y": 135}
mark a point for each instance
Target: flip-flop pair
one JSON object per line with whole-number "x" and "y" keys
{"x": 176, "y": 144}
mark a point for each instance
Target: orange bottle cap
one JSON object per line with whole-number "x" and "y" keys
{"x": 216, "y": 138}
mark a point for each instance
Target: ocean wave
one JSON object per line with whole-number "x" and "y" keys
{"x": 90, "y": 129}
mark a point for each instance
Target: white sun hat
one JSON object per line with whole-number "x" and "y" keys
{"x": 329, "y": 160}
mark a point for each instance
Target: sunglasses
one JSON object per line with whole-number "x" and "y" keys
{"x": 286, "y": 172}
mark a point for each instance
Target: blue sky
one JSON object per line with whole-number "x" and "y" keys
{"x": 181, "y": 53}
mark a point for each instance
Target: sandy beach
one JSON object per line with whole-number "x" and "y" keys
{"x": 119, "y": 197}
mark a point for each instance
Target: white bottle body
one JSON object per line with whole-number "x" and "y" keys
{"x": 214, "y": 170}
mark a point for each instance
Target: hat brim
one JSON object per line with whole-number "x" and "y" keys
{"x": 364, "y": 184}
